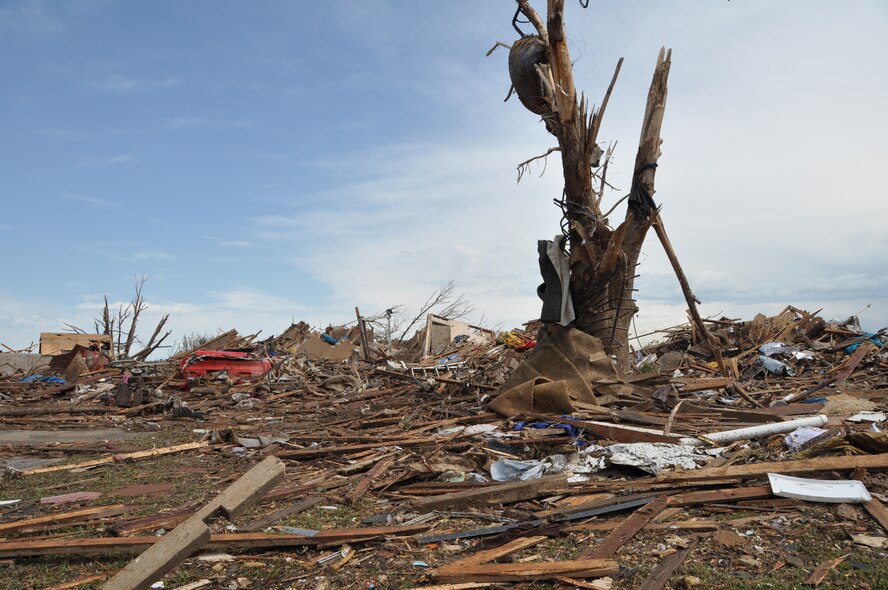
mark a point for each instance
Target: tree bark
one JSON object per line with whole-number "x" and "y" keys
{"x": 603, "y": 259}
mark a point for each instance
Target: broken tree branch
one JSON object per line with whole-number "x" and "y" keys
{"x": 523, "y": 166}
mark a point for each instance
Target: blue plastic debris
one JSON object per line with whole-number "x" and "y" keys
{"x": 874, "y": 338}
{"x": 44, "y": 379}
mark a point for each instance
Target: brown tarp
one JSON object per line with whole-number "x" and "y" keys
{"x": 559, "y": 370}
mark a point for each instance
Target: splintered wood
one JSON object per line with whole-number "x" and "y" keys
{"x": 388, "y": 463}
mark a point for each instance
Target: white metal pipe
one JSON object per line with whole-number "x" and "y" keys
{"x": 751, "y": 432}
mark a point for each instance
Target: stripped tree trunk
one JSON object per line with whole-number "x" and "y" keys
{"x": 603, "y": 259}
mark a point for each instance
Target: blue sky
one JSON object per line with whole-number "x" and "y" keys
{"x": 273, "y": 160}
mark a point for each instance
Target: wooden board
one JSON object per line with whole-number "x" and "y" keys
{"x": 518, "y": 572}
{"x": 661, "y": 574}
{"x": 874, "y": 462}
{"x": 878, "y": 511}
{"x": 505, "y": 493}
{"x": 721, "y": 496}
{"x": 118, "y": 458}
{"x": 281, "y": 514}
{"x": 345, "y": 449}
{"x": 57, "y": 342}
{"x": 684, "y": 525}
{"x": 30, "y": 547}
{"x": 76, "y": 516}
{"x": 492, "y": 554}
{"x": 625, "y": 530}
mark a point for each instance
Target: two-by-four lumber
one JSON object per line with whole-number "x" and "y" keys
{"x": 506, "y": 493}
{"x": 721, "y": 496}
{"x": 661, "y": 574}
{"x": 491, "y": 554}
{"x": 878, "y": 511}
{"x": 625, "y": 530}
{"x": 118, "y": 458}
{"x": 345, "y": 449}
{"x": 519, "y": 572}
{"x": 879, "y": 461}
{"x": 31, "y": 547}
{"x": 683, "y": 525}
{"x": 277, "y": 515}
{"x": 365, "y": 482}
{"x": 62, "y": 518}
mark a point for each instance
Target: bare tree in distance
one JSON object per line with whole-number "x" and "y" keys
{"x": 122, "y": 325}
{"x": 445, "y": 301}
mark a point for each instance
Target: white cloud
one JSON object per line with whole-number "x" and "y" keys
{"x": 237, "y": 244}
{"x": 151, "y": 255}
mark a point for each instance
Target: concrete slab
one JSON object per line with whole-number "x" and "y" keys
{"x": 40, "y": 437}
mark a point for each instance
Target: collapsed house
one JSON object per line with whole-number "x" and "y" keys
{"x": 459, "y": 459}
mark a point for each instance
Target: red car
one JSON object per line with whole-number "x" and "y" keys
{"x": 236, "y": 364}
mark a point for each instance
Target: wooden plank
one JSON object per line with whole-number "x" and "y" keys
{"x": 346, "y": 535}
{"x": 463, "y": 586}
{"x": 721, "y": 496}
{"x": 82, "y": 465}
{"x": 627, "y": 434}
{"x": 346, "y": 449}
{"x": 246, "y": 491}
{"x": 161, "y": 557}
{"x": 33, "y": 524}
{"x": 626, "y": 530}
{"x": 151, "y": 523}
{"x": 191, "y": 535}
{"x": 591, "y": 505}
{"x": 324, "y": 481}
{"x": 693, "y": 384}
{"x": 527, "y": 524}
{"x": 492, "y": 554}
{"x": 878, "y": 511}
{"x": 365, "y": 482}
{"x": 195, "y": 585}
{"x": 506, "y": 493}
{"x": 79, "y": 582}
{"x": 519, "y": 572}
{"x": 118, "y": 458}
{"x": 822, "y": 570}
{"x": 874, "y": 462}
{"x": 161, "y": 451}
{"x": 53, "y": 343}
{"x": 281, "y": 514}
{"x": 30, "y": 547}
{"x": 664, "y": 570}
{"x": 684, "y": 525}
{"x": 851, "y": 364}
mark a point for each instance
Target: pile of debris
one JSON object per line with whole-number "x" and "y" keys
{"x": 459, "y": 459}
